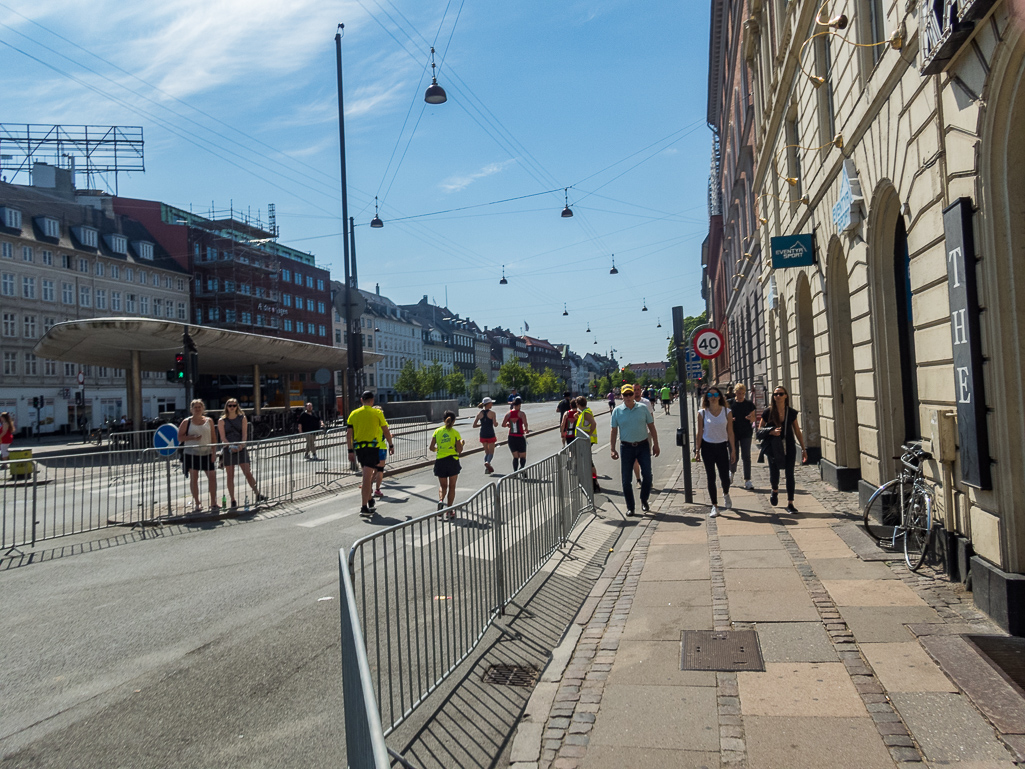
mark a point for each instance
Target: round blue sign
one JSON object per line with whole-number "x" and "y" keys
{"x": 165, "y": 440}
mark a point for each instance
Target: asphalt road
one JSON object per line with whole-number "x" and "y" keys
{"x": 216, "y": 645}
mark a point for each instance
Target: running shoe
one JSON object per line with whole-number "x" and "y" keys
{"x": 774, "y": 498}
{"x": 791, "y": 508}
{"x": 370, "y": 503}
{"x": 727, "y": 502}
{"x": 713, "y": 512}
{"x": 379, "y": 494}
{"x": 365, "y": 511}
{"x": 749, "y": 486}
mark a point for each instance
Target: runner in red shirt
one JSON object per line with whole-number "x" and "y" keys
{"x": 516, "y": 421}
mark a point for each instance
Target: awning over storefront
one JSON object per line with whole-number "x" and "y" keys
{"x": 111, "y": 342}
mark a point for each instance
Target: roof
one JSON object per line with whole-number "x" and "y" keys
{"x": 110, "y": 342}
{"x": 542, "y": 343}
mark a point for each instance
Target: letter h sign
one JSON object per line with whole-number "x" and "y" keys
{"x": 972, "y": 428}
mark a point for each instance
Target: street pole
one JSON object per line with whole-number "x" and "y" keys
{"x": 356, "y": 343}
{"x": 681, "y": 372}
{"x": 350, "y": 372}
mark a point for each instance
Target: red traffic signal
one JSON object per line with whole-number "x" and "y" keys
{"x": 179, "y": 366}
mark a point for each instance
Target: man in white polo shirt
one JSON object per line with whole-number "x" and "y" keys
{"x": 634, "y": 423}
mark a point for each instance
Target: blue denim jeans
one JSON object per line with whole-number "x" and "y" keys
{"x": 627, "y": 456}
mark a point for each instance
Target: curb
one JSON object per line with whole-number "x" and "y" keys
{"x": 527, "y": 741}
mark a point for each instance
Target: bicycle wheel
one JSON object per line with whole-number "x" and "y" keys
{"x": 883, "y": 511}
{"x": 917, "y": 527}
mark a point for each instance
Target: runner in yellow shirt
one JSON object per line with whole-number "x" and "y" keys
{"x": 449, "y": 445}
{"x": 366, "y": 426}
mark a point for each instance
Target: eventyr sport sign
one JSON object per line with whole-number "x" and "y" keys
{"x": 708, "y": 343}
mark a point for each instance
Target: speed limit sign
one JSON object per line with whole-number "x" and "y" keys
{"x": 708, "y": 343}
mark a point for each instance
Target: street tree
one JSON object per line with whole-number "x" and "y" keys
{"x": 477, "y": 382}
{"x": 432, "y": 378}
{"x": 513, "y": 376}
{"x": 408, "y": 382}
{"x": 455, "y": 384}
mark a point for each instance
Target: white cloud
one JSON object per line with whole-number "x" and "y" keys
{"x": 457, "y": 183}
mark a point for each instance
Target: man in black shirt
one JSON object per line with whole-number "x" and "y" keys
{"x": 564, "y": 406}
{"x": 743, "y": 430}
{"x": 309, "y": 424}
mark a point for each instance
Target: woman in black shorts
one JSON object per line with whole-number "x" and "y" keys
{"x": 196, "y": 434}
{"x": 516, "y": 421}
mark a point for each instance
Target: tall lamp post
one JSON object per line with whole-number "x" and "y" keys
{"x": 354, "y": 341}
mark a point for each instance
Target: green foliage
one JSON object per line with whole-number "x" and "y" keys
{"x": 477, "y": 381}
{"x": 433, "y": 378}
{"x": 409, "y": 381}
{"x": 455, "y": 384}
{"x": 513, "y": 376}
{"x": 545, "y": 383}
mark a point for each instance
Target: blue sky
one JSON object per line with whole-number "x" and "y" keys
{"x": 237, "y": 100}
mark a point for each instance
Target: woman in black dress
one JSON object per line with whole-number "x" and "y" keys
{"x": 780, "y": 435}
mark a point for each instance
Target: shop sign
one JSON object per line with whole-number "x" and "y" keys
{"x": 792, "y": 251}
{"x": 847, "y": 211}
{"x": 943, "y": 27}
{"x": 970, "y": 396}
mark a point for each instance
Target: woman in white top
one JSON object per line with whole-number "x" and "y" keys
{"x": 196, "y": 434}
{"x": 715, "y": 445}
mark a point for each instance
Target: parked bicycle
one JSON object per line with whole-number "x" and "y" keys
{"x": 900, "y": 511}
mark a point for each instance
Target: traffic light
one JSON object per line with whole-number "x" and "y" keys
{"x": 179, "y": 367}
{"x": 35, "y": 402}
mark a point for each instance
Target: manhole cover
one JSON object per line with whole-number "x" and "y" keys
{"x": 723, "y": 650}
{"x": 511, "y": 675}
{"x": 1005, "y": 653}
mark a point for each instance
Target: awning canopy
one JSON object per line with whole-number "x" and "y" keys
{"x": 111, "y": 341}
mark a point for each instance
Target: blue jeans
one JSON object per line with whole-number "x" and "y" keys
{"x": 627, "y": 456}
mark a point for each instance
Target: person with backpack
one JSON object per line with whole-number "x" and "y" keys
{"x": 516, "y": 421}
{"x": 486, "y": 421}
{"x": 568, "y": 424}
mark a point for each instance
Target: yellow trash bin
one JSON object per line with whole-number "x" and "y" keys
{"x": 21, "y": 463}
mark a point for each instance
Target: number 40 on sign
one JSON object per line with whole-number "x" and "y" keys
{"x": 708, "y": 343}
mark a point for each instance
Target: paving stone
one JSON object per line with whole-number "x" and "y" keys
{"x": 800, "y": 689}
{"x": 948, "y": 728}
{"x": 814, "y": 743}
{"x": 906, "y": 667}
{"x": 794, "y": 642}
{"x": 674, "y": 717}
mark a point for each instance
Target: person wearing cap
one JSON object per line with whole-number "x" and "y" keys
{"x": 365, "y": 428}
{"x": 635, "y": 425}
{"x": 487, "y": 420}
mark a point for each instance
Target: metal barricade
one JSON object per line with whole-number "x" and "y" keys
{"x": 66, "y": 494}
{"x": 428, "y": 589}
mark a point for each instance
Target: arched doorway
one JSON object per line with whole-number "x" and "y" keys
{"x": 807, "y": 369}
{"x": 1001, "y": 275}
{"x": 845, "y": 397}
{"x": 893, "y": 331}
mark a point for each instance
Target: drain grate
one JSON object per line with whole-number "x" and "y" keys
{"x": 511, "y": 675}
{"x": 1005, "y": 653}
{"x": 722, "y": 650}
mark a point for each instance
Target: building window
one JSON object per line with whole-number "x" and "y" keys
{"x": 26, "y": 254}
{"x": 158, "y": 307}
{"x": 7, "y": 284}
{"x": 10, "y": 364}
{"x": 320, "y": 308}
{"x": 300, "y": 327}
{"x": 287, "y": 299}
{"x": 229, "y": 287}
{"x": 309, "y": 305}
{"x": 322, "y": 330}
{"x": 11, "y": 217}
{"x": 130, "y": 303}
{"x": 99, "y": 269}
{"x": 10, "y": 324}
{"x": 320, "y": 284}
{"x": 170, "y": 309}
{"x": 31, "y": 365}
{"x": 144, "y": 305}
{"x": 338, "y": 336}
{"x": 28, "y": 287}
{"x": 69, "y": 369}
{"x": 49, "y": 367}
{"x": 142, "y": 277}
{"x": 247, "y": 318}
{"x": 68, "y": 293}
{"x": 118, "y": 244}
{"x": 298, "y": 279}
{"x": 48, "y": 295}
{"x": 245, "y": 289}
{"x": 286, "y": 275}
{"x": 83, "y": 265}
{"x": 48, "y": 258}
{"x": 7, "y": 250}
{"x": 181, "y": 310}
{"x": 115, "y": 272}
{"x": 115, "y": 301}
{"x": 229, "y": 316}
{"x": 129, "y": 275}
{"x": 51, "y": 227}
{"x": 261, "y": 292}
{"x": 288, "y": 325}
{"x": 309, "y": 282}
{"x": 85, "y": 296}
{"x": 101, "y": 299}
{"x": 145, "y": 250}
{"x": 30, "y": 326}
{"x": 211, "y": 284}
{"x": 181, "y": 284}
{"x": 259, "y": 320}
{"x": 214, "y": 313}
{"x": 48, "y": 323}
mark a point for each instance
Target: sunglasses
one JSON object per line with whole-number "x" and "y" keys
{"x": 231, "y": 406}
{"x": 779, "y": 395}
{"x": 713, "y": 395}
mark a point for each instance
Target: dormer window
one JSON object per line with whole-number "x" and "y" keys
{"x": 51, "y": 228}
{"x": 144, "y": 249}
{"x": 11, "y": 217}
{"x": 117, "y": 243}
{"x": 87, "y": 236}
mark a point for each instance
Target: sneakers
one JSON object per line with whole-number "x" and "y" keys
{"x": 366, "y": 512}
{"x": 774, "y": 498}
{"x": 791, "y": 508}
{"x": 749, "y": 486}
{"x": 451, "y": 515}
{"x": 488, "y": 469}
{"x": 379, "y": 494}
{"x": 370, "y": 503}
{"x": 727, "y": 502}
{"x": 713, "y": 512}
{"x": 261, "y": 497}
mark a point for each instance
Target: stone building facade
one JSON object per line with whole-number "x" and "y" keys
{"x": 892, "y": 132}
